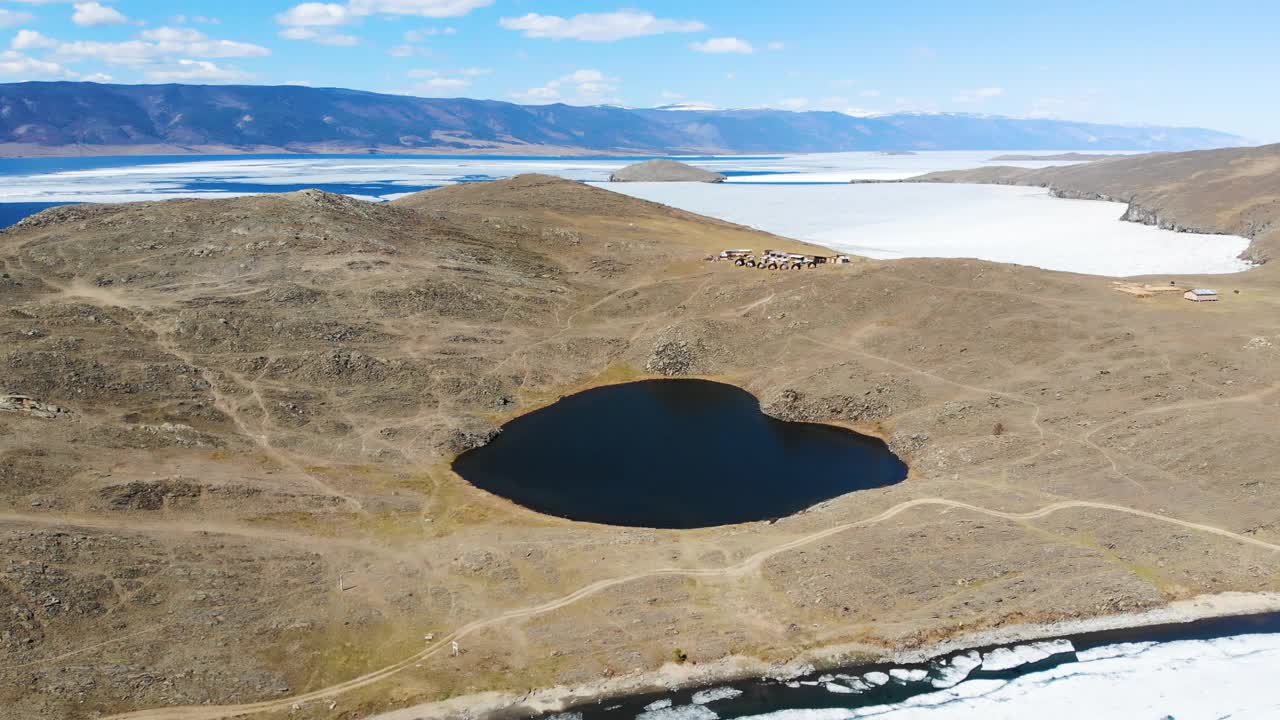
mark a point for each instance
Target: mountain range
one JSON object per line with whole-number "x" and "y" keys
{"x": 82, "y": 118}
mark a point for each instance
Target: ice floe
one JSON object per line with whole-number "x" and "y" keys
{"x": 703, "y": 697}
{"x": 1019, "y": 655}
{"x": 905, "y": 675}
{"x": 876, "y": 678}
{"x": 949, "y": 673}
{"x": 679, "y": 712}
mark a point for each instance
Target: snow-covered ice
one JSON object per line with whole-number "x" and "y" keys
{"x": 679, "y": 712}
{"x": 1227, "y": 677}
{"x": 876, "y": 678}
{"x": 907, "y": 675}
{"x": 217, "y": 178}
{"x": 702, "y": 697}
{"x": 956, "y": 670}
{"x": 1004, "y": 224}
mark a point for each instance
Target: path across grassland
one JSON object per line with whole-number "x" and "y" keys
{"x": 750, "y": 564}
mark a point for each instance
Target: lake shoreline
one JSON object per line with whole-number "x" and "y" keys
{"x": 673, "y": 677}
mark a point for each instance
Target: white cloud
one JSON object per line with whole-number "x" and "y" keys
{"x": 9, "y": 18}
{"x": 598, "y": 27}
{"x": 975, "y": 96}
{"x": 777, "y": 45}
{"x": 420, "y": 8}
{"x": 188, "y": 41}
{"x": 91, "y": 14}
{"x": 436, "y": 82}
{"x": 412, "y": 38}
{"x": 15, "y": 63}
{"x": 324, "y": 37}
{"x": 420, "y": 35}
{"x": 316, "y": 21}
{"x": 580, "y": 86}
{"x": 32, "y": 40}
{"x": 833, "y": 103}
{"x": 186, "y": 70}
{"x": 314, "y": 14}
{"x": 148, "y": 46}
{"x": 445, "y": 82}
{"x": 724, "y": 45}
{"x": 132, "y": 52}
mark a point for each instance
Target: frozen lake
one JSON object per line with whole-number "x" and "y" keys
{"x": 990, "y": 222}
{"x": 1207, "y": 670}
{"x": 802, "y": 196}
{"x": 121, "y": 179}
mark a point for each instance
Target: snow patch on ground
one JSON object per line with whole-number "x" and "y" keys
{"x": 999, "y": 223}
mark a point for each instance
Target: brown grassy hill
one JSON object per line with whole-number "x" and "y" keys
{"x": 249, "y": 497}
{"x": 549, "y": 201}
{"x": 1234, "y": 191}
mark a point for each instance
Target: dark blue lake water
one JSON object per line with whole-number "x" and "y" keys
{"x": 673, "y": 454}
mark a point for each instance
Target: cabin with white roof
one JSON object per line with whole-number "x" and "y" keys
{"x": 1201, "y": 295}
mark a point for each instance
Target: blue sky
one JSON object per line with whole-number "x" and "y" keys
{"x": 1174, "y": 62}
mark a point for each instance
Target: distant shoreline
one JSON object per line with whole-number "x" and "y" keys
{"x": 18, "y": 151}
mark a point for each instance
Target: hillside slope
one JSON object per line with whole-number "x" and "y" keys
{"x": 1234, "y": 191}
{"x": 88, "y": 118}
{"x": 246, "y": 507}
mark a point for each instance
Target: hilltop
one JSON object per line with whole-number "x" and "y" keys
{"x": 82, "y": 118}
{"x": 664, "y": 171}
{"x": 260, "y": 398}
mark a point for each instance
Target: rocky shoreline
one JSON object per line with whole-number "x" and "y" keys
{"x": 673, "y": 676}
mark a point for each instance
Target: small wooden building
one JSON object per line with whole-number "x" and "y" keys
{"x": 1201, "y": 295}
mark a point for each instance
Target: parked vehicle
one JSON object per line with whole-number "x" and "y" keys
{"x": 739, "y": 256}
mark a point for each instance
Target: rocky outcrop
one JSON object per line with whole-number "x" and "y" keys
{"x": 664, "y": 171}
{"x": 1073, "y": 194}
{"x": 875, "y": 403}
{"x": 1147, "y": 216}
{"x": 30, "y": 406}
